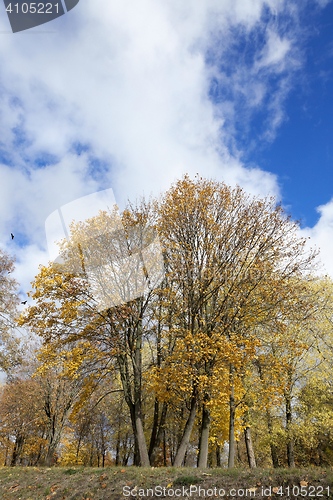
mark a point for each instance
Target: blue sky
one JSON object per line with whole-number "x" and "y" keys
{"x": 302, "y": 151}
{"x": 131, "y": 95}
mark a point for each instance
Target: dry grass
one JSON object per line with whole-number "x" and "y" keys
{"x": 64, "y": 483}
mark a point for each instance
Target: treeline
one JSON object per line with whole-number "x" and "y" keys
{"x": 222, "y": 354}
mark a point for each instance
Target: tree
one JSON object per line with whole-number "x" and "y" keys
{"x": 293, "y": 353}
{"x": 233, "y": 262}
{"x": 9, "y": 344}
{"x": 113, "y": 333}
{"x": 234, "y": 265}
{"x": 21, "y": 415}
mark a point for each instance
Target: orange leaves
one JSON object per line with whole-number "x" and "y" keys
{"x": 233, "y": 283}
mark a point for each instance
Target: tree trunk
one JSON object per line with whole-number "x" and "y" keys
{"x": 239, "y": 458}
{"x": 49, "y": 457}
{"x": 185, "y": 458}
{"x": 55, "y": 433}
{"x": 158, "y": 438}
{"x": 204, "y": 436}
{"x": 154, "y": 431}
{"x": 231, "y": 457}
{"x": 17, "y": 449}
{"x": 180, "y": 455}
{"x": 134, "y": 404}
{"x": 144, "y": 459}
{"x": 142, "y": 445}
{"x": 210, "y": 463}
{"x": 136, "y": 453}
{"x": 249, "y": 448}
{"x": 39, "y": 451}
{"x": 218, "y": 455}
{"x": 290, "y": 443}
{"x": 7, "y": 450}
{"x": 274, "y": 454}
{"x": 118, "y": 449}
{"x": 164, "y": 450}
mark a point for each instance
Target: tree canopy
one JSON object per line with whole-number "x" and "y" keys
{"x": 195, "y": 316}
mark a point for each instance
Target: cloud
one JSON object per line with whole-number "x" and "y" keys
{"x": 121, "y": 96}
{"x": 131, "y": 81}
{"x": 321, "y": 235}
{"x": 275, "y": 52}
{"x": 323, "y": 3}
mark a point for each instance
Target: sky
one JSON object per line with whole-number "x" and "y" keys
{"x": 131, "y": 95}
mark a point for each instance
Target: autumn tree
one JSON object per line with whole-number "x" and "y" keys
{"x": 233, "y": 261}
{"x": 9, "y": 343}
{"x": 293, "y": 353}
{"x": 78, "y": 303}
{"x": 22, "y": 420}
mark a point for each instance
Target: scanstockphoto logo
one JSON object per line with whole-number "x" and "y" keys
{"x": 25, "y": 15}
{"x": 120, "y": 265}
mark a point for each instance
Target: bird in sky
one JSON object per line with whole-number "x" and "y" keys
{"x": 12, "y": 235}
{"x": 24, "y": 302}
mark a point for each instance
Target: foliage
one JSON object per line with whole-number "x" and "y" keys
{"x": 10, "y": 353}
{"x": 234, "y": 342}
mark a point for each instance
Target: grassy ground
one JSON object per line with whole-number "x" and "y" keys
{"x": 57, "y": 483}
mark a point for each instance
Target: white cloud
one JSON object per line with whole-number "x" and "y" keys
{"x": 321, "y": 235}
{"x": 129, "y": 82}
{"x": 275, "y": 51}
{"x": 323, "y": 3}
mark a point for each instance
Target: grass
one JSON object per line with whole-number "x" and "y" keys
{"x": 187, "y": 480}
{"x": 78, "y": 483}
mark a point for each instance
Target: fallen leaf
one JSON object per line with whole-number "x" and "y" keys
{"x": 103, "y": 485}
{"x": 258, "y": 484}
{"x": 123, "y": 470}
{"x": 13, "y": 487}
{"x": 170, "y": 484}
{"x": 303, "y": 483}
{"x": 275, "y": 489}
